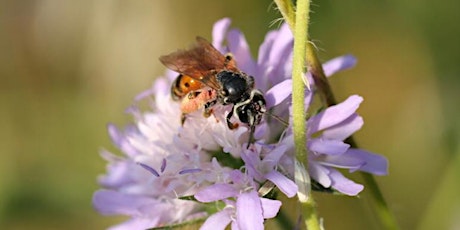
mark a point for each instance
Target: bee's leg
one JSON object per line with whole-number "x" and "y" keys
{"x": 229, "y": 123}
{"x": 193, "y": 94}
{"x": 208, "y": 108}
{"x": 183, "y": 116}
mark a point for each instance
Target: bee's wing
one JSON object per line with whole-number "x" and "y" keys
{"x": 201, "y": 62}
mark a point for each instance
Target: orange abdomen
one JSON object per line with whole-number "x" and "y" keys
{"x": 184, "y": 85}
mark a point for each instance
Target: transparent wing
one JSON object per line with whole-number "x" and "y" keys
{"x": 201, "y": 62}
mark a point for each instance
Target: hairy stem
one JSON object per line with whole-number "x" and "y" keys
{"x": 385, "y": 215}
{"x": 300, "y": 31}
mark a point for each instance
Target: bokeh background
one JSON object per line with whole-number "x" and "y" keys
{"x": 67, "y": 68}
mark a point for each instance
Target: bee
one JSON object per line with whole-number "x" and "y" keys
{"x": 183, "y": 85}
{"x": 208, "y": 77}
{"x": 192, "y": 93}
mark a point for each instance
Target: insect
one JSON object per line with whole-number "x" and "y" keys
{"x": 192, "y": 93}
{"x": 183, "y": 85}
{"x": 208, "y": 77}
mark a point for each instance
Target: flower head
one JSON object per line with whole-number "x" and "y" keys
{"x": 164, "y": 161}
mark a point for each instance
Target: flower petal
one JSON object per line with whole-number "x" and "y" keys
{"x": 329, "y": 147}
{"x": 274, "y": 156}
{"x": 137, "y": 223}
{"x": 270, "y": 207}
{"x": 264, "y": 69}
{"x": 249, "y": 211}
{"x": 374, "y": 163}
{"x": 341, "y": 161}
{"x": 334, "y": 114}
{"x": 237, "y": 176}
{"x": 319, "y": 173}
{"x": 345, "y": 129}
{"x": 251, "y": 161}
{"x": 119, "y": 139}
{"x": 283, "y": 43}
{"x": 265, "y": 49}
{"x": 338, "y": 64}
{"x": 109, "y": 202}
{"x": 286, "y": 185}
{"x": 281, "y": 50}
{"x": 162, "y": 88}
{"x": 217, "y": 221}
{"x": 343, "y": 184}
{"x": 115, "y": 134}
{"x": 278, "y": 93}
{"x": 144, "y": 94}
{"x": 172, "y": 210}
{"x": 216, "y": 192}
{"x": 219, "y": 32}
{"x": 239, "y": 48}
{"x": 118, "y": 173}
{"x": 277, "y": 46}
{"x": 235, "y": 226}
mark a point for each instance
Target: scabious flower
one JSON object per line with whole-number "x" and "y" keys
{"x": 169, "y": 173}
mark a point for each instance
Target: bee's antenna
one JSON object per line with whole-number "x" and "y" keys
{"x": 278, "y": 118}
{"x": 253, "y": 127}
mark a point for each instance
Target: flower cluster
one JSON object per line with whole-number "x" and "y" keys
{"x": 170, "y": 172}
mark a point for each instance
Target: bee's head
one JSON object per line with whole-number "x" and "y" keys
{"x": 251, "y": 111}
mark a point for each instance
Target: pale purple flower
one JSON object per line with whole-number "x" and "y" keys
{"x": 244, "y": 209}
{"x": 262, "y": 165}
{"x": 326, "y": 132}
{"x": 335, "y": 124}
{"x": 164, "y": 161}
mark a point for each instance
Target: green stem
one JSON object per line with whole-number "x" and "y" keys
{"x": 286, "y": 8}
{"x": 298, "y": 87}
{"x": 300, "y": 31}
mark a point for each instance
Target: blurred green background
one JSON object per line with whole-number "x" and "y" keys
{"x": 69, "y": 67}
